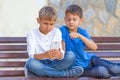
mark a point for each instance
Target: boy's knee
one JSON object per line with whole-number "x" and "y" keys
{"x": 30, "y": 61}
{"x": 35, "y": 66}
{"x": 33, "y": 63}
{"x": 70, "y": 56}
{"x": 102, "y": 72}
{"x": 115, "y": 69}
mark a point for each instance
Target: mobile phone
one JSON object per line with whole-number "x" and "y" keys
{"x": 55, "y": 45}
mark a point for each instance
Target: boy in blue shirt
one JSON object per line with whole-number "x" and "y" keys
{"x": 76, "y": 39}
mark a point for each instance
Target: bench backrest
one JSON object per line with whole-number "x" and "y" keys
{"x": 108, "y": 48}
{"x": 13, "y": 54}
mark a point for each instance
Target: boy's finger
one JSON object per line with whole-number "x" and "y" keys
{"x": 59, "y": 49}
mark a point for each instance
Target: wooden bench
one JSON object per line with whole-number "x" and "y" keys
{"x": 13, "y": 54}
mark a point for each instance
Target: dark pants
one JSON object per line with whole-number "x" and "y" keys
{"x": 101, "y": 68}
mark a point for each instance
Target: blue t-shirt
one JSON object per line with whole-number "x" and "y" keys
{"x": 77, "y": 46}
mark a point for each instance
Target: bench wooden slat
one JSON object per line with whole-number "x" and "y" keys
{"x": 115, "y": 61}
{"x": 23, "y": 39}
{"x": 45, "y": 78}
{"x": 13, "y": 55}
{"x": 13, "y": 47}
{"x": 12, "y": 40}
{"x": 48, "y": 78}
{"x": 107, "y": 47}
{"x": 23, "y": 47}
{"x": 25, "y": 55}
{"x": 106, "y": 39}
{"x": 107, "y": 54}
{"x": 16, "y": 73}
{"x": 22, "y": 64}
{"x": 12, "y": 64}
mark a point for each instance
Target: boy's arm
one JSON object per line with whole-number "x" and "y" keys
{"x": 63, "y": 45}
{"x": 50, "y": 54}
{"x": 40, "y": 56}
{"x": 89, "y": 43}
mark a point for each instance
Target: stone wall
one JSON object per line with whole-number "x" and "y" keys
{"x": 102, "y": 17}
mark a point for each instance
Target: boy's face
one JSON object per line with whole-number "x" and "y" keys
{"x": 46, "y": 25}
{"x": 73, "y": 21}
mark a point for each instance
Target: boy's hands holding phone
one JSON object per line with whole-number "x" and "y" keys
{"x": 54, "y": 54}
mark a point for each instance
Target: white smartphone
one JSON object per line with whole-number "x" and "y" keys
{"x": 55, "y": 45}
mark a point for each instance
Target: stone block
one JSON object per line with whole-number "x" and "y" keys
{"x": 89, "y": 14}
{"x": 98, "y": 27}
{"x": 111, "y": 24}
{"x": 117, "y": 11}
{"x": 103, "y": 16}
{"x": 110, "y": 5}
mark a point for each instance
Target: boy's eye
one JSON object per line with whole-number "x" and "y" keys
{"x": 68, "y": 19}
{"x": 46, "y": 23}
{"x": 74, "y": 19}
{"x": 51, "y": 24}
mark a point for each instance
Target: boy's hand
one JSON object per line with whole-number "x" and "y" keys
{"x": 54, "y": 54}
{"x": 74, "y": 35}
{"x": 49, "y": 54}
{"x": 57, "y": 54}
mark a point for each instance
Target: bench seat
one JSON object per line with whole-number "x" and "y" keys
{"x": 13, "y": 56}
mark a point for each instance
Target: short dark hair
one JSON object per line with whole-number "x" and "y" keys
{"x": 74, "y": 9}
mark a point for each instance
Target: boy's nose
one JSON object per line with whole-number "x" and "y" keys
{"x": 48, "y": 26}
{"x": 71, "y": 21}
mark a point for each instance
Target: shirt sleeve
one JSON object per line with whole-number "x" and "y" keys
{"x": 62, "y": 29}
{"x": 30, "y": 45}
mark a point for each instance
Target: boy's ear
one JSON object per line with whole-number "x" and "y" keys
{"x": 82, "y": 20}
{"x": 38, "y": 20}
{"x": 64, "y": 18}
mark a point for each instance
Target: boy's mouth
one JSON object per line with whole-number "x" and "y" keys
{"x": 71, "y": 25}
